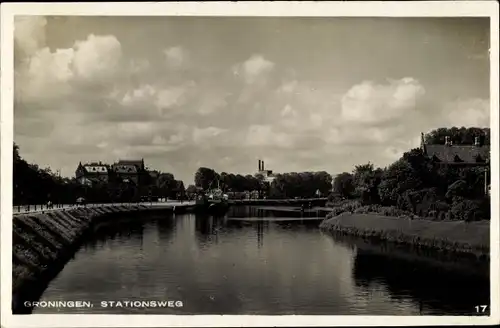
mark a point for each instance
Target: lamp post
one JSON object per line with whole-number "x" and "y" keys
{"x": 486, "y": 189}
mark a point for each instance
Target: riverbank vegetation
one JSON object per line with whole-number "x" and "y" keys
{"x": 417, "y": 186}
{"x": 454, "y": 236}
{"x": 280, "y": 186}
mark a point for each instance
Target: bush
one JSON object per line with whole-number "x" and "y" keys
{"x": 468, "y": 210}
{"x": 459, "y": 188}
{"x": 345, "y": 206}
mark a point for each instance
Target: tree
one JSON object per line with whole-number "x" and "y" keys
{"x": 322, "y": 182}
{"x": 343, "y": 184}
{"x": 191, "y": 191}
{"x": 166, "y": 185}
{"x": 395, "y": 180}
{"x": 459, "y": 136}
{"x": 459, "y": 188}
{"x": 179, "y": 189}
{"x": 261, "y": 184}
{"x": 16, "y": 156}
{"x": 204, "y": 177}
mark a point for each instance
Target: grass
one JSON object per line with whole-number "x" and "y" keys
{"x": 454, "y": 236}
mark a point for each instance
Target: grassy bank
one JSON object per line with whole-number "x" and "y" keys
{"x": 44, "y": 242}
{"x": 452, "y": 236}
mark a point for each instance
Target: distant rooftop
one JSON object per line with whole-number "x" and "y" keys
{"x": 449, "y": 153}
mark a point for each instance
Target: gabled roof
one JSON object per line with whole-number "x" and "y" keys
{"x": 125, "y": 168}
{"x": 458, "y": 153}
{"x": 138, "y": 162}
{"x": 90, "y": 168}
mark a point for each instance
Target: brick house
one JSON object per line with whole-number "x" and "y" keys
{"x": 475, "y": 155}
{"x": 92, "y": 173}
{"x": 130, "y": 171}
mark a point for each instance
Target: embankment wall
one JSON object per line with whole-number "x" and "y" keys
{"x": 44, "y": 242}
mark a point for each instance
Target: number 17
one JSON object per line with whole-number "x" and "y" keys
{"x": 481, "y": 308}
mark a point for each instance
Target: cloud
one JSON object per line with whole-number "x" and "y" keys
{"x": 176, "y": 57}
{"x": 52, "y": 74}
{"x": 151, "y": 102}
{"x": 98, "y": 57}
{"x": 29, "y": 33}
{"x": 203, "y": 135}
{"x": 368, "y": 102}
{"x": 143, "y": 94}
{"x": 254, "y": 70}
{"x": 266, "y": 135}
{"x": 108, "y": 94}
{"x": 468, "y": 112}
{"x": 46, "y": 74}
{"x": 138, "y": 66}
{"x": 288, "y": 86}
{"x": 169, "y": 98}
{"x": 212, "y": 102}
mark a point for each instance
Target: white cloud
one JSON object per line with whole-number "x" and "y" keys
{"x": 374, "y": 103}
{"x": 98, "y": 57}
{"x": 212, "y": 102}
{"x": 254, "y": 70}
{"x": 468, "y": 112}
{"x": 52, "y": 74}
{"x": 46, "y": 74}
{"x": 265, "y": 135}
{"x": 153, "y": 101}
{"x": 138, "y": 66}
{"x": 202, "y": 135}
{"x": 100, "y": 98}
{"x": 288, "y": 111}
{"x": 176, "y": 57}
{"x": 316, "y": 120}
{"x": 29, "y": 33}
{"x": 288, "y": 86}
{"x": 172, "y": 97}
{"x": 143, "y": 94}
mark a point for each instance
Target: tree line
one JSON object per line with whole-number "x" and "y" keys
{"x": 416, "y": 184}
{"x": 283, "y": 185}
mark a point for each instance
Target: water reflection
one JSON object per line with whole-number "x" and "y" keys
{"x": 433, "y": 289}
{"x": 243, "y": 264}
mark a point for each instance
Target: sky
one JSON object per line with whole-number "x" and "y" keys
{"x": 302, "y": 94}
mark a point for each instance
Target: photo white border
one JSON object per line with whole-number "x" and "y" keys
{"x": 302, "y": 9}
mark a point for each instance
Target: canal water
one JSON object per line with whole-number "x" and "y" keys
{"x": 253, "y": 261}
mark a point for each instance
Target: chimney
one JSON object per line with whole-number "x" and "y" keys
{"x": 262, "y": 165}
{"x": 447, "y": 141}
{"x": 477, "y": 142}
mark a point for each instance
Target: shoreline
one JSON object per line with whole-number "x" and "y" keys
{"x": 44, "y": 242}
{"x": 456, "y": 237}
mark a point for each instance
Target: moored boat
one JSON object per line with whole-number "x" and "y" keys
{"x": 212, "y": 202}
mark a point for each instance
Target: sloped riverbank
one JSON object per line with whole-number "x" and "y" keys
{"x": 465, "y": 238}
{"x": 44, "y": 242}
